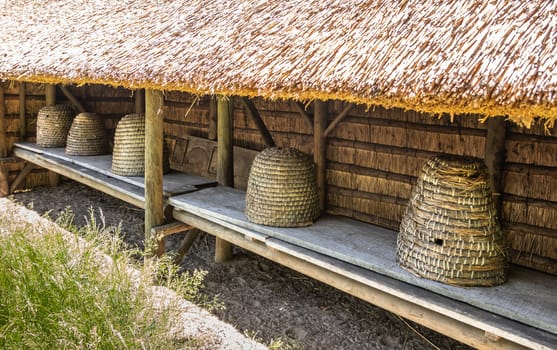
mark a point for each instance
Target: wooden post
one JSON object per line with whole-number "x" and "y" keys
{"x": 139, "y": 101}
{"x": 22, "y": 111}
{"x": 320, "y": 148}
{"x": 50, "y": 94}
{"x": 225, "y": 163}
{"x": 54, "y": 179}
{"x": 212, "y": 135}
{"x": 154, "y": 210}
{"x": 495, "y": 157}
{"x": 3, "y": 136}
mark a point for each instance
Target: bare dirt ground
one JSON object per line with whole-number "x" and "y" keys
{"x": 263, "y": 300}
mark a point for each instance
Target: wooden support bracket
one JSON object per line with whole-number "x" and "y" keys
{"x": 186, "y": 245}
{"x": 300, "y": 109}
{"x": 75, "y": 102}
{"x": 256, "y": 117}
{"x": 162, "y": 231}
{"x": 21, "y": 176}
{"x": 338, "y": 119}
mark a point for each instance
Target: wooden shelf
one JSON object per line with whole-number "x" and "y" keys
{"x": 523, "y": 310}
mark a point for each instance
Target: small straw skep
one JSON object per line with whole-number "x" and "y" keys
{"x": 450, "y": 232}
{"x": 282, "y": 189}
{"x": 53, "y": 124}
{"x": 87, "y": 136}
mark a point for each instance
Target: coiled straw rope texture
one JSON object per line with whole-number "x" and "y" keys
{"x": 128, "y": 158}
{"x": 282, "y": 189}
{"x": 87, "y": 136}
{"x": 450, "y": 232}
{"x": 53, "y": 124}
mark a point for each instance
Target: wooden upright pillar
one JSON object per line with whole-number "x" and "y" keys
{"x": 139, "y": 101}
{"x": 3, "y": 136}
{"x": 154, "y": 210}
{"x": 320, "y": 148}
{"x": 225, "y": 163}
{"x": 22, "y": 112}
{"x": 495, "y": 157}
{"x": 54, "y": 179}
{"x": 212, "y": 134}
{"x": 50, "y": 94}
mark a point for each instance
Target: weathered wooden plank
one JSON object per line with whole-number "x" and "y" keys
{"x": 174, "y": 182}
{"x": 116, "y": 188}
{"x": 526, "y": 297}
{"x": 22, "y": 111}
{"x": 458, "y": 320}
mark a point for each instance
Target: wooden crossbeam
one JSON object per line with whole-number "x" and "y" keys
{"x": 75, "y": 102}
{"x": 162, "y": 231}
{"x": 338, "y": 119}
{"x": 300, "y": 109}
{"x": 256, "y": 117}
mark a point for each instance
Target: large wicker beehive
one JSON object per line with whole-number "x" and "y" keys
{"x": 87, "y": 136}
{"x": 53, "y": 124}
{"x": 282, "y": 189}
{"x": 450, "y": 232}
{"x": 128, "y": 158}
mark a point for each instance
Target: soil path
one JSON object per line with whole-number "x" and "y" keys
{"x": 263, "y": 300}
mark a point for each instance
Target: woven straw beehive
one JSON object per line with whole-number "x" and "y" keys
{"x": 282, "y": 189}
{"x": 450, "y": 232}
{"x": 87, "y": 136}
{"x": 128, "y": 158}
{"x": 53, "y": 124}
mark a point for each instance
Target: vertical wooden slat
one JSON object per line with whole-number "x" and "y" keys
{"x": 22, "y": 111}
{"x": 320, "y": 148}
{"x": 225, "y": 163}
{"x": 3, "y": 136}
{"x": 54, "y": 179}
{"x": 212, "y": 135}
{"x": 154, "y": 210}
{"x": 495, "y": 157}
{"x": 139, "y": 101}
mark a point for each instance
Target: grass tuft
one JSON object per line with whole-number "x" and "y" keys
{"x": 57, "y": 293}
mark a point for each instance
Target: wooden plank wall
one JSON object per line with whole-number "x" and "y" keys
{"x": 530, "y": 196}
{"x": 373, "y": 156}
{"x": 34, "y": 101}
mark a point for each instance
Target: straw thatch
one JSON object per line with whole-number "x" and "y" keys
{"x": 491, "y": 58}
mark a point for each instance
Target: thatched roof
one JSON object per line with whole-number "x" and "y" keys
{"x": 488, "y": 57}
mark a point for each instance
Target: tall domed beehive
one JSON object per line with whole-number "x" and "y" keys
{"x": 128, "y": 158}
{"x": 450, "y": 231}
{"x": 282, "y": 189}
{"x": 87, "y": 136}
